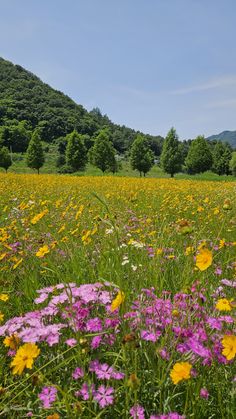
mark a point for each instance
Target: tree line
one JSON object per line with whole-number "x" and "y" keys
{"x": 75, "y": 150}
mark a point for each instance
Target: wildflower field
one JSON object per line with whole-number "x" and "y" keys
{"x": 117, "y": 298}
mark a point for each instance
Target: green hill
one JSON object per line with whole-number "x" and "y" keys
{"x": 24, "y": 97}
{"x": 225, "y": 136}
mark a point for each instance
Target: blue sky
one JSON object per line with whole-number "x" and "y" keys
{"x": 148, "y": 64}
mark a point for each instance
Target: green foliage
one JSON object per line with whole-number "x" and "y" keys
{"x": 141, "y": 155}
{"x": 16, "y": 136}
{"x": 35, "y": 155}
{"x": 171, "y": 155}
{"x": 102, "y": 154}
{"x": 199, "y": 158}
{"x": 76, "y": 153}
{"x": 233, "y": 164}
{"x": 221, "y": 158}
{"x": 5, "y": 158}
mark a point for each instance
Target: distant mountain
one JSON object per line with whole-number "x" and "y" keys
{"x": 226, "y": 136}
{"x": 24, "y": 97}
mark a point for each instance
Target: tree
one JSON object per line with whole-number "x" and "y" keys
{"x": 102, "y": 154}
{"x": 5, "y": 158}
{"x": 171, "y": 156}
{"x": 141, "y": 155}
{"x": 35, "y": 155}
{"x": 221, "y": 158}
{"x": 16, "y": 136}
{"x": 76, "y": 153}
{"x": 199, "y": 158}
{"x": 233, "y": 164}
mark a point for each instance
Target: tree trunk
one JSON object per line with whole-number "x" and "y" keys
{"x": 38, "y": 171}
{"x": 172, "y": 175}
{"x": 140, "y": 174}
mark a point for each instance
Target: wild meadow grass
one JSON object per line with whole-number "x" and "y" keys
{"x": 117, "y": 297}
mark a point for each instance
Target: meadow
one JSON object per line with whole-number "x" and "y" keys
{"x": 117, "y": 297}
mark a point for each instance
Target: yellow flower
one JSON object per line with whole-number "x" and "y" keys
{"x": 189, "y": 250}
{"x": 17, "y": 263}
{"x": 11, "y": 341}
{"x": 53, "y": 416}
{"x": 39, "y": 216}
{"x": 118, "y": 300}
{"x": 180, "y": 371}
{"x": 223, "y": 305}
{"x": 204, "y": 259}
{"x": 42, "y": 251}
{"x": 24, "y": 357}
{"x": 4, "y": 297}
{"x": 1, "y": 317}
{"x": 229, "y": 345}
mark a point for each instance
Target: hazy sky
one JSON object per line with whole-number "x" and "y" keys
{"x": 148, "y": 64}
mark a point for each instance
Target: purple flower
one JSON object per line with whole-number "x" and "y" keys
{"x": 71, "y": 342}
{"x": 94, "y": 325}
{"x": 85, "y": 391}
{"x": 204, "y": 393}
{"x": 77, "y": 373}
{"x": 47, "y": 396}
{"x": 228, "y": 283}
{"x": 150, "y": 336}
{"x": 95, "y": 342}
{"x": 137, "y": 412}
{"x": 104, "y": 396}
{"x": 218, "y": 271}
{"x": 214, "y": 323}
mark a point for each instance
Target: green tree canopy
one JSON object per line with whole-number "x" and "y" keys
{"x": 171, "y": 155}
{"x": 16, "y": 136}
{"x": 199, "y": 158}
{"x": 141, "y": 155}
{"x": 221, "y": 158}
{"x": 102, "y": 154}
{"x": 35, "y": 155}
{"x": 5, "y": 158}
{"x": 76, "y": 153}
{"x": 233, "y": 164}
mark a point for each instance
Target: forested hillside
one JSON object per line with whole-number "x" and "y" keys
{"x": 24, "y": 97}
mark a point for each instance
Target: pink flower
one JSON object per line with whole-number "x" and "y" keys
{"x": 104, "y": 396}
{"x": 204, "y": 393}
{"x": 71, "y": 342}
{"x": 78, "y": 373}
{"x": 47, "y": 396}
{"x": 137, "y": 412}
{"x": 150, "y": 336}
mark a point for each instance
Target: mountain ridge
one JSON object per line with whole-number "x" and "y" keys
{"x": 225, "y": 136}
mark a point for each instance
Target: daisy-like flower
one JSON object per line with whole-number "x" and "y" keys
{"x": 11, "y": 342}
{"x": 180, "y": 371}
{"x": 229, "y": 346}
{"x": 4, "y": 297}
{"x": 118, "y": 300}
{"x": 24, "y": 357}
{"x": 223, "y": 305}
{"x": 42, "y": 251}
{"x": 104, "y": 396}
{"x": 204, "y": 259}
